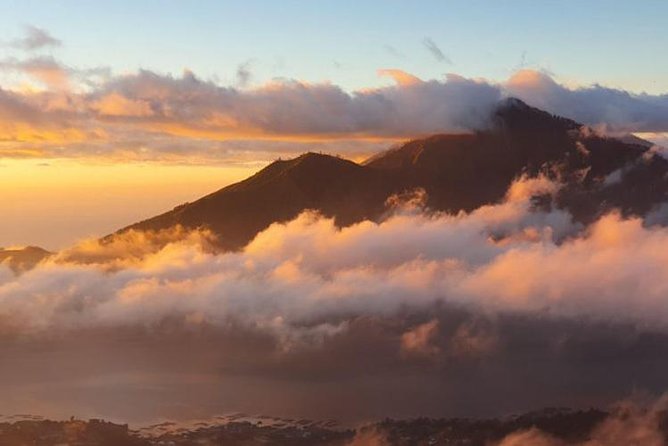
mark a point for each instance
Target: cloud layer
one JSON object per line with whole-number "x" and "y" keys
{"x": 446, "y": 310}
{"x": 629, "y": 423}
{"x": 420, "y": 314}
{"x": 62, "y": 111}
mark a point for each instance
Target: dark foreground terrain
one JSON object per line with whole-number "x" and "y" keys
{"x": 569, "y": 427}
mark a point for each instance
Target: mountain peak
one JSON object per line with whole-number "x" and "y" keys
{"x": 23, "y": 259}
{"x": 513, "y": 114}
{"x": 459, "y": 172}
{"x": 513, "y": 102}
{"x": 321, "y": 159}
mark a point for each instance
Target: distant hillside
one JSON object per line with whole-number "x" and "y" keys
{"x": 22, "y": 259}
{"x": 458, "y": 172}
{"x": 567, "y": 425}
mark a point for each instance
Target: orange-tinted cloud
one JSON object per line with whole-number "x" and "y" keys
{"x": 400, "y": 77}
{"x": 629, "y": 423}
{"x": 47, "y": 71}
{"x": 358, "y": 308}
{"x": 419, "y": 341}
{"x": 115, "y": 104}
{"x": 138, "y": 111}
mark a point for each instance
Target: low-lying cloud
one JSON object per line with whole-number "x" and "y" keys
{"x": 629, "y": 423}
{"x": 306, "y": 267}
{"x": 446, "y": 310}
{"x": 502, "y": 258}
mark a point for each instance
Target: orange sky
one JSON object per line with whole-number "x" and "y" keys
{"x": 52, "y": 203}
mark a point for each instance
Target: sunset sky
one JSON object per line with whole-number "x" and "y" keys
{"x": 113, "y": 112}
{"x": 504, "y": 260}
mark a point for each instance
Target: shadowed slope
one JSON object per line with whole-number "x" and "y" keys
{"x": 334, "y": 186}
{"x": 22, "y": 259}
{"x": 458, "y": 172}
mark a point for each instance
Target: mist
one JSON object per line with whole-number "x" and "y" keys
{"x": 500, "y": 310}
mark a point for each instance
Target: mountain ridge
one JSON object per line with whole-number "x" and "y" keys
{"x": 23, "y": 259}
{"x": 459, "y": 172}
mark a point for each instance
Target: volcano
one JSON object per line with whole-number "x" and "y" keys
{"x": 458, "y": 172}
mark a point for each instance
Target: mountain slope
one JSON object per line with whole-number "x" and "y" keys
{"x": 458, "y": 172}
{"x": 334, "y": 186}
{"x": 22, "y": 259}
{"x": 463, "y": 172}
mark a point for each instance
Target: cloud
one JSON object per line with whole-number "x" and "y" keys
{"x": 629, "y": 423}
{"x": 34, "y": 124}
{"x": 315, "y": 266}
{"x": 533, "y": 437}
{"x": 436, "y": 51}
{"x": 244, "y": 74}
{"x": 400, "y": 77}
{"x": 425, "y": 307}
{"x": 596, "y": 105}
{"x": 114, "y": 104}
{"x": 151, "y": 116}
{"x": 44, "y": 69}
{"x": 36, "y": 38}
{"x": 394, "y": 51}
{"x": 419, "y": 340}
{"x": 473, "y": 339}
{"x": 131, "y": 248}
{"x": 47, "y": 71}
{"x": 188, "y": 106}
{"x": 369, "y": 436}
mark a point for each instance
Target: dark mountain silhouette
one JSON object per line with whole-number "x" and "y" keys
{"x": 23, "y": 259}
{"x": 334, "y": 186}
{"x": 459, "y": 173}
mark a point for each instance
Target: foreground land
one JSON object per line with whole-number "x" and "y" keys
{"x": 565, "y": 425}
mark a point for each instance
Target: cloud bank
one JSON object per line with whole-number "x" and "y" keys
{"x": 58, "y": 110}
{"x": 629, "y": 423}
{"x": 501, "y": 258}
{"x": 306, "y": 266}
{"x": 445, "y": 310}
{"x": 596, "y": 105}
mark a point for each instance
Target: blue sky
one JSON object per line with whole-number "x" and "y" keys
{"x": 618, "y": 44}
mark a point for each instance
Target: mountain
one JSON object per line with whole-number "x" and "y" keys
{"x": 459, "y": 172}
{"x": 279, "y": 192}
{"x": 22, "y": 259}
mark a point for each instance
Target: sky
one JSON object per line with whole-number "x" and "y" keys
{"x": 113, "y": 112}
{"x": 132, "y": 93}
{"x": 615, "y": 43}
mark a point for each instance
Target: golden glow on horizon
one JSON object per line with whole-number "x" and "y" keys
{"x": 214, "y": 133}
{"x": 54, "y": 202}
{"x": 23, "y": 132}
{"x": 65, "y": 173}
